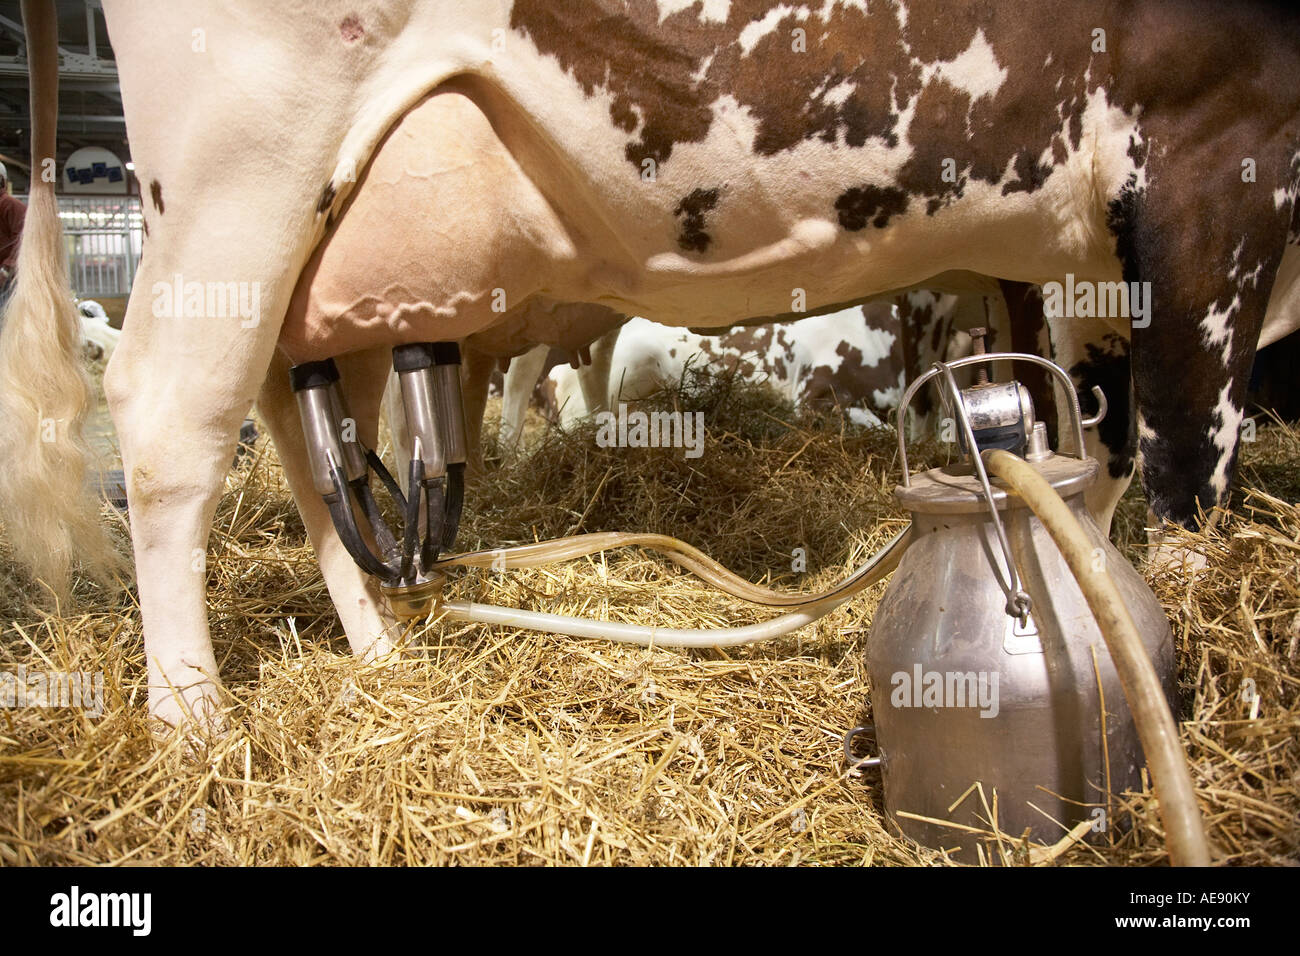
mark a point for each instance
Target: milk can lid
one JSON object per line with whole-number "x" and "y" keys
{"x": 955, "y": 489}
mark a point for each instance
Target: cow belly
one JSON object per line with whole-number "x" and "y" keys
{"x": 568, "y": 326}
{"x": 459, "y": 219}
{"x": 442, "y": 235}
{"x": 462, "y": 216}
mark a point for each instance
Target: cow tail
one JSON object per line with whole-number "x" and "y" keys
{"x": 51, "y": 517}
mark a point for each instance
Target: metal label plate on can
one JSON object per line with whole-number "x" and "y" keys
{"x": 1022, "y": 639}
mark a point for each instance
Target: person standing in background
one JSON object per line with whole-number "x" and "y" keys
{"x": 12, "y": 215}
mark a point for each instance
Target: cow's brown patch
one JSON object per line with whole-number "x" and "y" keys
{"x": 739, "y": 351}
{"x": 848, "y": 82}
{"x": 624, "y": 50}
{"x": 787, "y": 352}
{"x": 849, "y": 384}
{"x": 155, "y": 193}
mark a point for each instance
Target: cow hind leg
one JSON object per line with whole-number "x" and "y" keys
{"x": 200, "y": 333}
{"x": 1210, "y": 273}
{"x": 593, "y": 379}
{"x": 370, "y": 628}
{"x": 177, "y": 411}
{"x": 520, "y": 382}
{"x": 1094, "y": 354}
{"x": 1029, "y": 333}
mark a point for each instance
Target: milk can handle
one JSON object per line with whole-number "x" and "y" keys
{"x": 857, "y": 763}
{"x": 1019, "y": 603}
{"x": 1076, "y": 417}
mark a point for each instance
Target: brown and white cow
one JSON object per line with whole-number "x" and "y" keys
{"x": 407, "y": 167}
{"x": 821, "y": 361}
{"x": 852, "y": 359}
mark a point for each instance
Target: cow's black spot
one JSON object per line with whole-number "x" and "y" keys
{"x": 1183, "y": 501}
{"x": 1107, "y": 366}
{"x": 145, "y": 222}
{"x": 1293, "y": 231}
{"x": 1121, "y": 219}
{"x": 1137, "y": 151}
{"x": 913, "y": 322}
{"x": 691, "y": 211}
{"x": 859, "y": 205}
{"x": 326, "y": 198}
{"x": 939, "y": 335}
{"x": 936, "y": 203}
{"x": 1030, "y": 175}
{"x": 155, "y": 192}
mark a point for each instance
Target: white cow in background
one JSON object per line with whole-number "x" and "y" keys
{"x": 98, "y": 337}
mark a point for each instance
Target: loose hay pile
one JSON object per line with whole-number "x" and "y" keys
{"x": 487, "y": 745}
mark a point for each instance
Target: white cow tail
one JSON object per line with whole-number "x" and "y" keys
{"x": 51, "y": 518}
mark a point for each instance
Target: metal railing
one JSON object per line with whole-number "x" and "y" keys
{"x": 104, "y": 236}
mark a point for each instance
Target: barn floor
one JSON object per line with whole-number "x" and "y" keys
{"x": 487, "y": 745}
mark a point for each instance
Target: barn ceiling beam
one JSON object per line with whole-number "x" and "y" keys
{"x": 72, "y": 65}
{"x": 66, "y": 85}
{"x": 75, "y": 119}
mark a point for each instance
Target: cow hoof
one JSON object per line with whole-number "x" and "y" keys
{"x": 1180, "y": 560}
{"x": 381, "y": 647}
{"x": 196, "y": 711}
{"x": 1168, "y": 551}
{"x": 381, "y": 661}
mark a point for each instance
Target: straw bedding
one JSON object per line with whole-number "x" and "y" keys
{"x": 485, "y": 745}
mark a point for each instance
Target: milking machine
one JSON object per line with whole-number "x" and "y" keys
{"x": 1019, "y": 666}
{"x": 429, "y": 377}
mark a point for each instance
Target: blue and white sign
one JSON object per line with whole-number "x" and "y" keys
{"x": 93, "y": 169}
